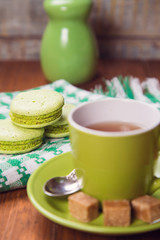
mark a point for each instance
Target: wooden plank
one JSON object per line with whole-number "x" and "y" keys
{"x": 23, "y": 18}
{"x": 123, "y": 17}
{"x": 26, "y": 49}
{"x": 19, "y": 48}
{"x": 129, "y": 49}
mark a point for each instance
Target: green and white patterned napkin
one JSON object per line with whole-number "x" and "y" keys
{"x": 16, "y": 169}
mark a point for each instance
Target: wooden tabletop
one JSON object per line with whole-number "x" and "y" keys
{"x": 19, "y": 220}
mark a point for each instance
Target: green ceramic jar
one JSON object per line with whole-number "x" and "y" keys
{"x": 68, "y": 49}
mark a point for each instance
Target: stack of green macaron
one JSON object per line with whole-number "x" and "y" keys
{"x": 31, "y": 114}
{"x": 61, "y": 127}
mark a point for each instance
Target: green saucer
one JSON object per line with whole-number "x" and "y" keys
{"x": 56, "y": 209}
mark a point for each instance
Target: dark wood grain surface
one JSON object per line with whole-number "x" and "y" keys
{"x": 19, "y": 220}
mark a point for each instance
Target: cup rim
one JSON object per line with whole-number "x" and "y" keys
{"x": 81, "y": 128}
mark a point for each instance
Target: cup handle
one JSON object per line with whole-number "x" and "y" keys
{"x": 156, "y": 180}
{"x": 155, "y": 185}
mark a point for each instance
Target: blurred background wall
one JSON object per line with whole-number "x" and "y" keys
{"x": 128, "y": 29}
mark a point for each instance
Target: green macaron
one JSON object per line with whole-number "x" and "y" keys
{"x": 36, "y": 108}
{"x": 61, "y": 127}
{"x": 15, "y": 139}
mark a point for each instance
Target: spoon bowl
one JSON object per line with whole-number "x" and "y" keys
{"x": 65, "y": 185}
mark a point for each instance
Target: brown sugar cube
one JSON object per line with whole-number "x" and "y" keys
{"x": 146, "y": 208}
{"x": 117, "y": 212}
{"x": 83, "y": 207}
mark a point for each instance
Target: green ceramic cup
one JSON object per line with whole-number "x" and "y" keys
{"x": 116, "y": 165}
